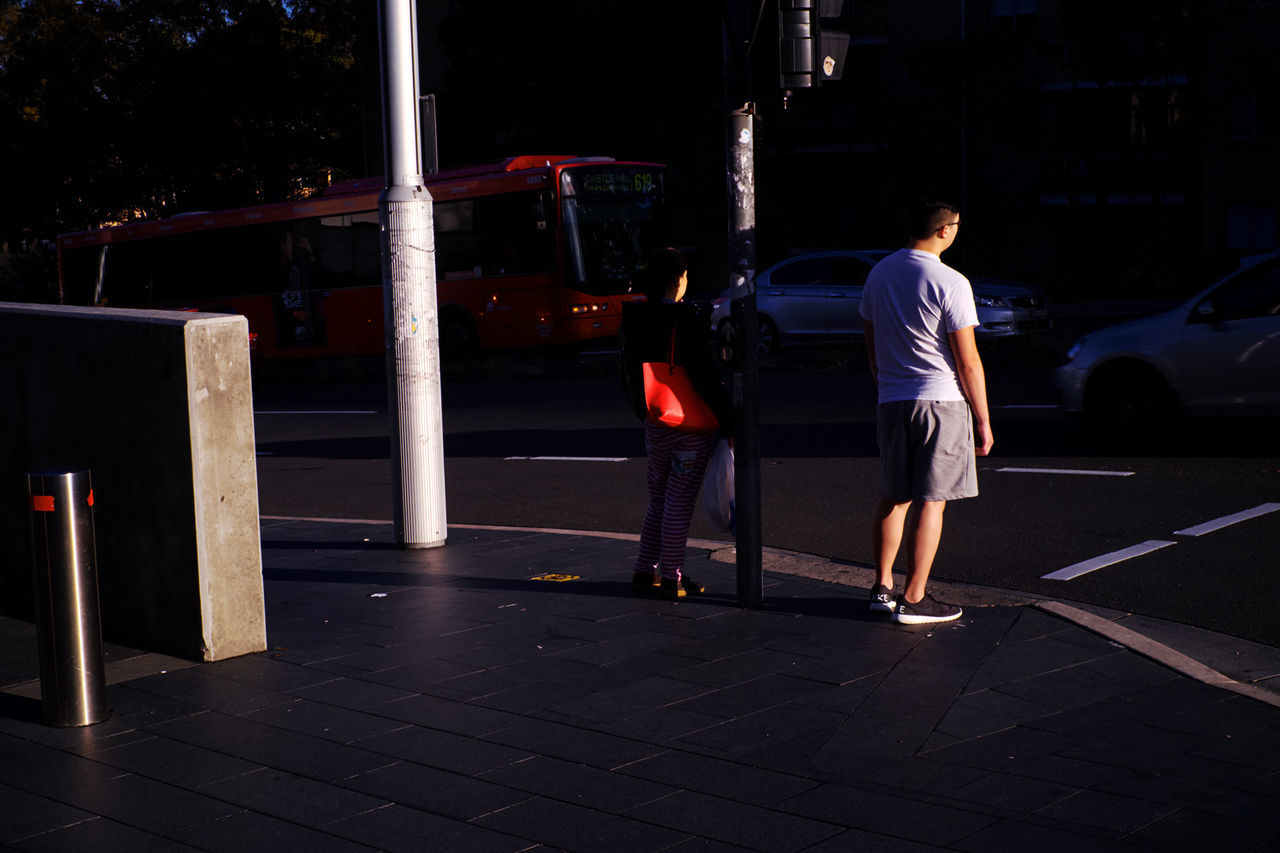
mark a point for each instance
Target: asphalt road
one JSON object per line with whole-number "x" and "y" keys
{"x": 1051, "y": 502}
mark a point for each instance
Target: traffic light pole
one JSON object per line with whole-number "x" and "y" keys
{"x": 746, "y": 376}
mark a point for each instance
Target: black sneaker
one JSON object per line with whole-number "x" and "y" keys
{"x": 645, "y": 583}
{"x": 882, "y": 600}
{"x": 672, "y": 591}
{"x": 924, "y": 611}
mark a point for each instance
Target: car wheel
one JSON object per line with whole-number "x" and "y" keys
{"x": 729, "y": 337}
{"x": 1129, "y": 401}
{"x": 768, "y": 335}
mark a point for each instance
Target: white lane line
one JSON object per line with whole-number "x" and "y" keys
{"x": 1228, "y": 520}
{"x": 318, "y": 412}
{"x": 566, "y": 459}
{"x": 1065, "y": 471}
{"x": 1072, "y": 572}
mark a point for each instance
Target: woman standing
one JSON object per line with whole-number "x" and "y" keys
{"x": 661, "y": 337}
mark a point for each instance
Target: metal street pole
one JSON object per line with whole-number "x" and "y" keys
{"x": 409, "y": 292}
{"x": 741, "y": 180}
{"x": 746, "y": 378}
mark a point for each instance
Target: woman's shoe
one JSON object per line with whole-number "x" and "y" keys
{"x": 673, "y": 591}
{"x": 645, "y": 583}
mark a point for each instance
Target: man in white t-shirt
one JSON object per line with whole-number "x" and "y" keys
{"x": 919, "y": 317}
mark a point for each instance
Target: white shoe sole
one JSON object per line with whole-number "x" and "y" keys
{"x": 916, "y": 619}
{"x": 878, "y": 607}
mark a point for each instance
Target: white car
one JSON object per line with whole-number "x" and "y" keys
{"x": 1217, "y": 352}
{"x": 815, "y": 297}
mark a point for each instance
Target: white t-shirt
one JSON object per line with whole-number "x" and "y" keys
{"x": 914, "y": 301}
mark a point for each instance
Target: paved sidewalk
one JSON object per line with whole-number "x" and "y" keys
{"x": 507, "y": 693}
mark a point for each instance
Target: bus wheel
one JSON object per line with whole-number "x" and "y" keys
{"x": 458, "y": 338}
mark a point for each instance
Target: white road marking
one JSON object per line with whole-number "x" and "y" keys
{"x": 1228, "y": 520}
{"x": 566, "y": 459}
{"x": 1072, "y": 572}
{"x": 1065, "y": 471}
{"x": 336, "y": 412}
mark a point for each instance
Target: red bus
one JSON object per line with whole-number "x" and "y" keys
{"x": 531, "y": 250}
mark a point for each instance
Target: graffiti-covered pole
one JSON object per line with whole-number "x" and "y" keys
{"x": 409, "y": 292}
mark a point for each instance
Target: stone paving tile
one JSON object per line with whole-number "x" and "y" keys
{"x": 742, "y": 699}
{"x": 25, "y": 815}
{"x": 571, "y": 743}
{"x": 312, "y": 757}
{"x": 447, "y": 715}
{"x": 1195, "y": 830}
{"x": 100, "y": 834}
{"x": 737, "y": 823}
{"x": 753, "y": 733}
{"x": 174, "y": 762}
{"x": 1106, "y": 812}
{"x": 204, "y": 690}
{"x": 146, "y": 804}
{"x": 291, "y": 797}
{"x": 573, "y": 828}
{"x": 397, "y": 829}
{"x": 251, "y": 831}
{"x": 354, "y": 693}
{"x": 629, "y": 699}
{"x": 578, "y": 784}
{"x": 1004, "y": 749}
{"x": 341, "y": 725}
{"x": 896, "y": 816}
{"x": 267, "y": 673}
{"x": 1012, "y": 796}
{"x": 982, "y": 712}
{"x": 1043, "y": 837}
{"x": 442, "y": 750}
{"x": 437, "y": 791}
{"x": 729, "y": 779}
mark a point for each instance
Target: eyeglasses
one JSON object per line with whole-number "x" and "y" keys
{"x": 950, "y": 224}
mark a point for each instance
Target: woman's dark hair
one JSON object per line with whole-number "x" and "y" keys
{"x": 663, "y": 276}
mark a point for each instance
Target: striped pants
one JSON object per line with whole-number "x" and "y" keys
{"x": 677, "y": 461}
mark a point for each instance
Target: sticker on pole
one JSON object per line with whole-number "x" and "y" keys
{"x": 42, "y": 503}
{"x": 552, "y": 576}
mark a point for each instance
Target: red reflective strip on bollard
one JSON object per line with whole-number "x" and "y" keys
{"x": 42, "y": 503}
{"x": 91, "y": 497}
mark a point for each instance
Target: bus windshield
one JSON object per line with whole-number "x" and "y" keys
{"x": 613, "y": 217}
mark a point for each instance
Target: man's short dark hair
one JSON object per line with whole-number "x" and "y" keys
{"x": 930, "y": 214}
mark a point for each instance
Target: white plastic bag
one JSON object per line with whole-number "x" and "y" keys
{"x": 717, "y": 488}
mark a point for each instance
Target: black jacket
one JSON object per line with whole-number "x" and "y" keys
{"x": 646, "y": 337}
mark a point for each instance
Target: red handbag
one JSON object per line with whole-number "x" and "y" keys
{"x": 672, "y": 399}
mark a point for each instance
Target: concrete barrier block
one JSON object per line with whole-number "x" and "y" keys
{"x": 158, "y": 405}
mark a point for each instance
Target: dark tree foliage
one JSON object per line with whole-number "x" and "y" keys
{"x": 114, "y": 110}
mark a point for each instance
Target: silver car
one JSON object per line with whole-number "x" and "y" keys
{"x": 815, "y": 297}
{"x": 1217, "y": 352}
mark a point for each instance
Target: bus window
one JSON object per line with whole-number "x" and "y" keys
{"x": 521, "y": 233}
{"x": 127, "y": 276}
{"x": 457, "y": 244}
{"x": 613, "y": 218}
{"x": 297, "y": 304}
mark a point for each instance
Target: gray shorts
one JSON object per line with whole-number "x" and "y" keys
{"x": 926, "y": 450}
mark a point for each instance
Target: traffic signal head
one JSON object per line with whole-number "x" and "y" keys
{"x": 810, "y": 50}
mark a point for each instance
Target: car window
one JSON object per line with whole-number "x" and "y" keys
{"x": 849, "y": 272}
{"x": 1255, "y": 293}
{"x": 806, "y": 271}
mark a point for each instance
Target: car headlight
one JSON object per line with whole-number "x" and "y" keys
{"x": 1075, "y": 348}
{"x": 989, "y": 302}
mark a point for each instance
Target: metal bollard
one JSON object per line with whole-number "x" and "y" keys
{"x": 73, "y": 685}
